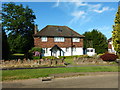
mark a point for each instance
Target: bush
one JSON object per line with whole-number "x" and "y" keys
{"x": 36, "y": 57}
{"x": 36, "y": 49}
{"x": 108, "y": 57}
{"x": 34, "y": 53}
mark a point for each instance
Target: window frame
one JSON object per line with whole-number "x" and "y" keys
{"x": 73, "y": 40}
{"x": 59, "y": 39}
{"x": 44, "y": 39}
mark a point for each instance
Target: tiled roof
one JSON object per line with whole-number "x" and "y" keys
{"x": 61, "y": 31}
{"x": 110, "y": 39}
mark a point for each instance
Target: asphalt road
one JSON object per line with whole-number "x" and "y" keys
{"x": 91, "y": 81}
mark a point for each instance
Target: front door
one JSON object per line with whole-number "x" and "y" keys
{"x": 55, "y": 52}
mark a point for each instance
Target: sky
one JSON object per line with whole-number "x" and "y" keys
{"x": 79, "y": 16}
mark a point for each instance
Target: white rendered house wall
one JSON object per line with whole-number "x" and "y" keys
{"x": 111, "y": 50}
{"x": 67, "y": 52}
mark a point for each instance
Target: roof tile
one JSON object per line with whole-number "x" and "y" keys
{"x": 61, "y": 31}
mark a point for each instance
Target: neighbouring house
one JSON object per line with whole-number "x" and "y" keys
{"x": 59, "y": 41}
{"x": 110, "y": 46}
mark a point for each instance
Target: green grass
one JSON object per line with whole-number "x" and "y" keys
{"x": 18, "y": 54}
{"x": 69, "y": 60}
{"x": 36, "y": 73}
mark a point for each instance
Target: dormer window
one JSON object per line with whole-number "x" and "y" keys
{"x": 44, "y": 39}
{"x": 59, "y": 30}
{"x": 76, "y": 39}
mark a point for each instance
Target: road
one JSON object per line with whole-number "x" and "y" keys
{"x": 90, "y": 81}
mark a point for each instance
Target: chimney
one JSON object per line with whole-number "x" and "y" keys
{"x": 35, "y": 29}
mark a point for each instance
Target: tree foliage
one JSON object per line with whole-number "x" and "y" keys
{"x": 97, "y": 40}
{"x": 5, "y": 46}
{"x": 116, "y": 32}
{"x": 36, "y": 49}
{"x": 19, "y": 21}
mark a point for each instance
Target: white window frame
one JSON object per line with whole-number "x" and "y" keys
{"x": 59, "y": 39}
{"x": 76, "y": 39}
{"x": 45, "y": 50}
{"x": 44, "y": 39}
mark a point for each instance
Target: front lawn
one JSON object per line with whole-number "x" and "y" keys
{"x": 36, "y": 73}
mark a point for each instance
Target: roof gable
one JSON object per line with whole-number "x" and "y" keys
{"x": 60, "y": 31}
{"x": 110, "y": 39}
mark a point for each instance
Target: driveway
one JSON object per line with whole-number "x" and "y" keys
{"x": 107, "y": 80}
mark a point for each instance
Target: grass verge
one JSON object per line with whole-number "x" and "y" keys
{"x": 36, "y": 73}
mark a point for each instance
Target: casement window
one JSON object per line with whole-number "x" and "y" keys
{"x": 45, "y": 50}
{"x": 58, "y": 39}
{"x": 44, "y": 39}
{"x": 76, "y": 39}
{"x": 91, "y": 50}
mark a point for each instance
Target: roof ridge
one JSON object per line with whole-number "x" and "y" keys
{"x": 54, "y": 26}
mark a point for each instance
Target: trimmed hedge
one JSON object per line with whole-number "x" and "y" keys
{"x": 108, "y": 57}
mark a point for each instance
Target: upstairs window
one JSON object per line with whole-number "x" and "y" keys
{"x": 58, "y": 39}
{"x": 110, "y": 42}
{"x": 76, "y": 39}
{"x": 44, "y": 39}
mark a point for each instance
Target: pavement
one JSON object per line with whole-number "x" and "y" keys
{"x": 68, "y": 80}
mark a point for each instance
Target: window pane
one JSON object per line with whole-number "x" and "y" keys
{"x": 76, "y": 39}
{"x": 59, "y": 39}
{"x": 44, "y": 39}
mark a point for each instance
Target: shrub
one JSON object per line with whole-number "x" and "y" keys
{"x": 35, "y": 53}
{"x": 36, "y": 49}
{"x": 36, "y": 57}
{"x": 108, "y": 57}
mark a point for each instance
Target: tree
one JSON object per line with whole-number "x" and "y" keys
{"x": 5, "y": 46}
{"x": 116, "y": 33}
{"x": 97, "y": 40}
{"x": 19, "y": 21}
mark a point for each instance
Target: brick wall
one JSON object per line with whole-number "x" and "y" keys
{"x": 50, "y": 43}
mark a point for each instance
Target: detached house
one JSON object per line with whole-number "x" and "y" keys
{"x": 110, "y": 46}
{"x": 59, "y": 41}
